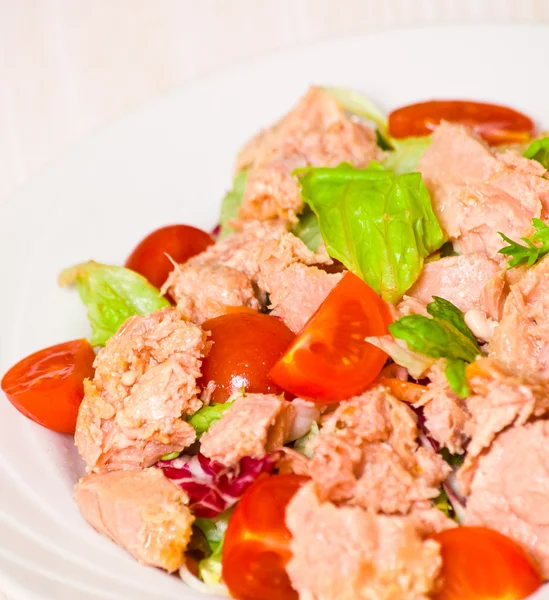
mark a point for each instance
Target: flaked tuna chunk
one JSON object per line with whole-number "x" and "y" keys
{"x": 255, "y": 425}
{"x": 477, "y": 194}
{"x": 497, "y": 401}
{"x": 469, "y": 281}
{"x": 510, "y": 490}
{"x": 144, "y": 383}
{"x": 447, "y": 418}
{"x": 296, "y": 292}
{"x": 367, "y": 454}
{"x": 351, "y": 554}
{"x": 203, "y": 292}
{"x": 521, "y": 340}
{"x": 140, "y": 510}
{"x": 316, "y": 132}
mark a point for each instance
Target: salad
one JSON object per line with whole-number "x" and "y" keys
{"x": 342, "y": 392}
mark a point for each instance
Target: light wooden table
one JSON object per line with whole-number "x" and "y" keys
{"x": 68, "y": 67}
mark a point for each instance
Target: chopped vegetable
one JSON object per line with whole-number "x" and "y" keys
{"x": 479, "y": 563}
{"x": 47, "y": 386}
{"x": 496, "y": 124}
{"x": 330, "y": 360}
{"x": 415, "y": 363}
{"x": 406, "y": 154}
{"x": 231, "y": 203}
{"x": 301, "y": 444}
{"x": 257, "y": 542}
{"x": 205, "y": 417}
{"x": 537, "y": 246}
{"x": 209, "y": 568}
{"x": 442, "y": 502}
{"x": 111, "y": 294}
{"x": 539, "y": 150}
{"x": 213, "y": 488}
{"x": 381, "y": 226}
{"x": 307, "y": 229}
{"x": 445, "y": 335}
{"x": 154, "y": 256}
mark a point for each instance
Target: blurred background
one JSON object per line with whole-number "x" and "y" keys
{"x": 69, "y": 67}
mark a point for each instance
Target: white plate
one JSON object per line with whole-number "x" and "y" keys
{"x": 171, "y": 162}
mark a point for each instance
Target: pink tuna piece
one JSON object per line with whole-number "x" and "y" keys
{"x": 348, "y": 553}
{"x": 140, "y": 510}
{"x": 521, "y": 340}
{"x": 145, "y": 381}
{"x": 477, "y": 194}
{"x": 255, "y": 425}
{"x": 510, "y": 490}
{"x": 316, "y": 132}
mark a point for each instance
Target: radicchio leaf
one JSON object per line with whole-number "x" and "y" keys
{"x": 212, "y": 487}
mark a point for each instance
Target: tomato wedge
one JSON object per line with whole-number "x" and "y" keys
{"x": 257, "y": 542}
{"x": 329, "y": 359}
{"x": 47, "y": 386}
{"x": 482, "y": 564}
{"x": 180, "y": 242}
{"x": 496, "y": 124}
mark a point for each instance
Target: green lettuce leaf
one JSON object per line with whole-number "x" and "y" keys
{"x": 301, "y": 444}
{"x": 111, "y": 294}
{"x": 444, "y": 335}
{"x": 442, "y": 502}
{"x": 539, "y": 150}
{"x": 406, "y": 154}
{"x": 307, "y": 229}
{"x": 537, "y": 246}
{"x": 379, "y": 225}
{"x": 231, "y": 203}
{"x": 205, "y": 417}
{"x": 209, "y": 569}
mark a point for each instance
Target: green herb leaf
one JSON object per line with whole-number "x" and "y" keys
{"x": 205, "y": 417}
{"x": 537, "y": 246}
{"x": 539, "y": 150}
{"x": 442, "y": 502}
{"x": 455, "y": 374}
{"x": 111, "y": 294}
{"x": 406, "y": 154}
{"x": 307, "y": 229}
{"x": 379, "y": 225}
{"x": 231, "y": 203}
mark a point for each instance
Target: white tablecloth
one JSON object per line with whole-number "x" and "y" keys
{"x": 68, "y": 67}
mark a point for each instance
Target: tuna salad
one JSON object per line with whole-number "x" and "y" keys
{"x": 342, "y": 391}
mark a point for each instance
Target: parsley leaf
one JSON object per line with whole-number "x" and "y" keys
{"x": 537, "y": 246}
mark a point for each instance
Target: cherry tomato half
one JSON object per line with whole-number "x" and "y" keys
{"x": 329, "y": 359}
{"x": 180, "y": 242}
{"x": 482, "y": 564}
{"x": 245, "y": 347}
{"x": 47, "y": 386}
{"x": 496, "y": 124}
{"x": 257, "y": 542}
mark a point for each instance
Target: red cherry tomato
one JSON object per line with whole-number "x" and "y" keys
{"x": 329, "y": 359}
{"x": 47, "y": 386}
{"x": 245, "y": 347}
{"x": 496, "y": 124}
{"x": 482, "y": 564}
{"x": 257, "y": 542}
{"x": 180, "y": 242}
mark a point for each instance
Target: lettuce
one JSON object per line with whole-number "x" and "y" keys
{"x": 209, "y": 568}
{"x": 445, "y": 335}
{"x": 302, "y": 443}
{"x": 307, "y": 229}
{"x": 111, "y": 294}
{"x": 231, "y": 203}
{"x": 539, "y": 150}
{"x": 379, "y": 225}
{"x": 205, "y": 417}
{"x": 406, "y": 154}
